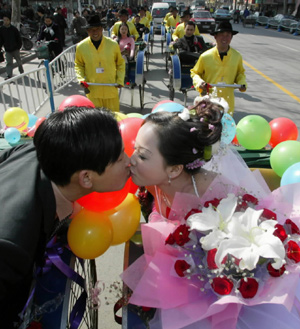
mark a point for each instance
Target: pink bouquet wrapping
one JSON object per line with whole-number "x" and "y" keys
{"x": 227, "y": 260}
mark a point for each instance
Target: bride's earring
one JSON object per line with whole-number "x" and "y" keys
{"x": 169, "y": 181}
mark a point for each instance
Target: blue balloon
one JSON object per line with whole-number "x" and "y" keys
{"x": 291, "y": 175}
{"x": 32, "y": 120}
{"x": 12, "y": 135}
{"x": 169, "y": 107}
{"x": 228, "y": 129}
{"x": 145, "y": 116}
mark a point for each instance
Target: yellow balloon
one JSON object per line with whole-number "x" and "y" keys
{"x": 125, "y": 219}
{"x": 90, "y": 234}
{"x": 120, "y": 116}
{"x": 16, "y": 117}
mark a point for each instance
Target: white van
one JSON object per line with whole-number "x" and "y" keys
{"x": 159, "y": 11}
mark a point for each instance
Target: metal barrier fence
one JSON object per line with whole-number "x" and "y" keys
{"x": 32, "y": 90}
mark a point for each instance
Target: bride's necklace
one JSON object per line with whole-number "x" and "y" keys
{"x": 166, "y": 199}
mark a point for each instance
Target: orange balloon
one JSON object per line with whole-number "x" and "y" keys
{"x": 125, "y": 219}
{"x": 90, "y": 234}
{"x": 104, "y": 201}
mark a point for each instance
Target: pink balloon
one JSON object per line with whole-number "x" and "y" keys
{"x": 161, "y": 102}
{"x": 38, "y": 122}
{"x": 76, "y": 100}
{"x": 31, "y": 131}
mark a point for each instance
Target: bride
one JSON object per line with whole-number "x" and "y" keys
{"x": 175, "y": 159}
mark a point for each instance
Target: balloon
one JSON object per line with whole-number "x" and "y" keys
{"x": 104, "y": 201}
{"x": 235, "y": 141}
{"x": 133, "y": 187}
{"x": 129, "y": 128}
{"x": 38, "y": 122}
{"x": 31, "y": 132}
{"x": 284, "y": 155}
{"x": 134, "y": 115}
{"x": 12, "y": 135}
{"x": 169, "y": 107}
{"x": 253, "y": 132}
{"x": 125, "y": 219}
{"x": 282, "y": 129}
{"x": 32, "y": 120}
{"x": 229, "y": 128}
{"x": 291, "y": 175}
{"x": 16, "y": 117}
{"x": 162, "y": 102}
{"x": 120, "y": 116}
{"x": 75, "y": 100}
{"x": 90, "y": 234}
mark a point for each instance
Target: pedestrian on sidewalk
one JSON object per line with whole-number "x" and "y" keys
{"x": 10, "y": 38}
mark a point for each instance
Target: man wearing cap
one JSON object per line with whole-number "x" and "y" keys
{"x": 10, "y": 38}
{"x": 173, "y": 19}
{"x": 179, "y": 31}
{"x": 221, "y": 64}
{"x": 98, "y": 59}
{"x": 123, "y": 16}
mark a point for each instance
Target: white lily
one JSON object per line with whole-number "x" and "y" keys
{"x": 250, "y": 240}
{"x": 214, "y": 220}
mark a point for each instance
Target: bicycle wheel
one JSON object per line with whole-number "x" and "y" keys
{"x": 61, "y": 66}
{"x": 142, "y": 93}
{"x": 41, "y": 75}
{"x": 87, "y": 270}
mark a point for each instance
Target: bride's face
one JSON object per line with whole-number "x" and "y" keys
{"x": 147, "y": 164}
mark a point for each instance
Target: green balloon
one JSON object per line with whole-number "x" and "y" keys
{"x": 134, "y": 115}
{"x": 284, "y": 155}
{"x": 253, "y": 132}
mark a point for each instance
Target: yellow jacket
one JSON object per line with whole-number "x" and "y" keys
{"x": 179, "y": 32}
{"x": 171, "y": 21}
{"x": 107, "y": 57}
{"x": 149, "y": 16}
{"x": 144, "y": 20}
{"x": 131, "y": 26}
{"x": 167, "y": 16}
{"x": 211, "y": 69}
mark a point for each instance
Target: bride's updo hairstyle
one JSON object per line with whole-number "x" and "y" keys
{"x": 187, "y": 138}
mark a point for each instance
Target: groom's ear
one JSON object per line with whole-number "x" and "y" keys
{"x": 175, "y": 171}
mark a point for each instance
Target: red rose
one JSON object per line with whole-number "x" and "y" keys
{"x": 222, "y": 286}
{"x": 280, "y": 232}
{"x": 242, "y": 205}
{"x": 192, "y": 212}
{"x": 170, "y": 239}
{"x": 293, "y": 251}
{"x": 210, "y": 258}
{"x": 268, "y": 214}
{"x": 248, "y": 287}
{"x": 215, "y": 202}
{"x": 35, "y": 325}
{"x": 250, "y": 198}
{"x": 146, "y": 308}
{"x": 181, "y": 235}
{"x": 293, "y": 228}
{"x": 181, "y": 266}
{"x": 273, "y": 272}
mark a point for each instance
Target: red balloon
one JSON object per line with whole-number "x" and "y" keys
{"x": 38, "y": 122}
{"x": 282, "y": 129}
{"x": 129, "y": 128}
{"x": 133, "y": 187}
{"x": 235, "y": 141}
{"x": 161, "y": 102}
{"x": 76, "y": 100}
{"x": 104, "y": 201}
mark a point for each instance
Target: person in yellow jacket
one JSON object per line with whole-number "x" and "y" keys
{"x": 168, "y": 14}
{"x": 221, "y": 64}
{"x": 148, "y": 14}
{"x": 173, "y": 19}
{"x": 98, "y": 59}
{"x": 143, "y": 18}
{"x": 123, "y": 16}
{"x": 180, "y": 29}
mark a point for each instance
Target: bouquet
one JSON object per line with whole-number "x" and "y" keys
{"x": 233, "y": 248}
